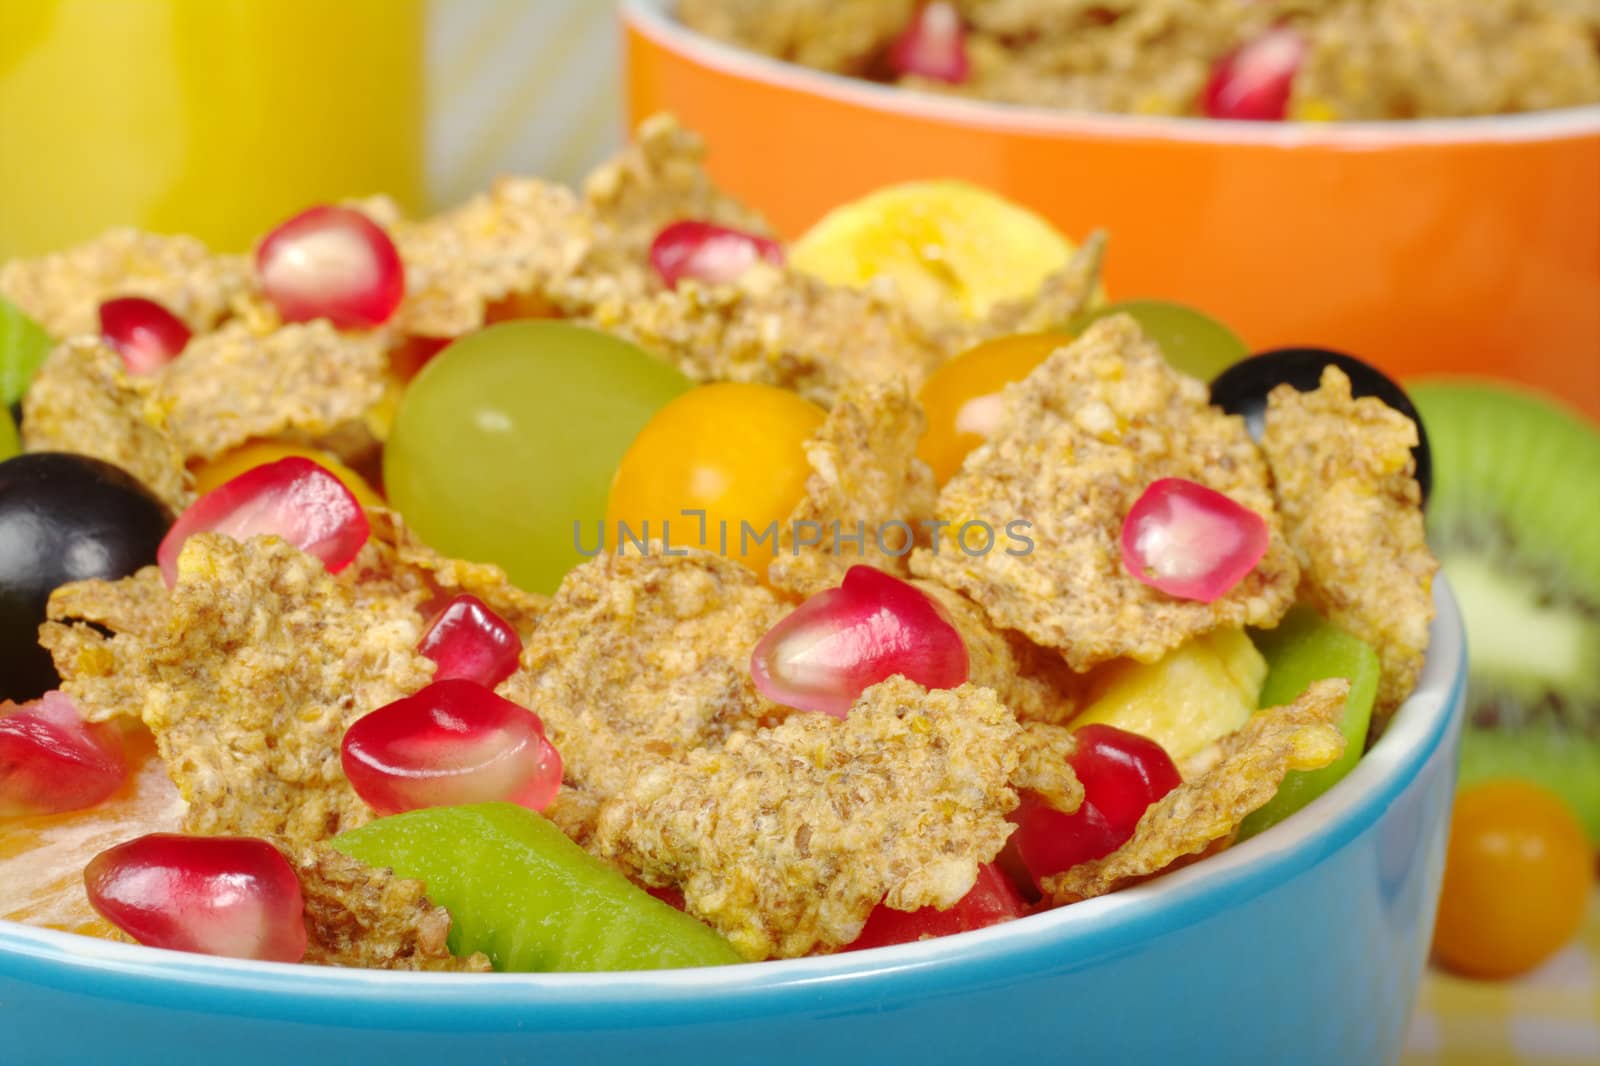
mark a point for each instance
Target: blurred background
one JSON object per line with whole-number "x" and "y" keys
{"x": 303, "y": 100}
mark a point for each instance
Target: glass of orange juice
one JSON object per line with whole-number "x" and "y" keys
{"x": 211, "y": 117}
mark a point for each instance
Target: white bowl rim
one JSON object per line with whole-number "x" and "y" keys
{"x": 652, "y": 19}
{"x": 1234, "y": 875}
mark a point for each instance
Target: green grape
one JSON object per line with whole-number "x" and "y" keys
{"x": 512, "y": 434}
{"x": 23, "y": 346}
{"x": 1303, "y": 649}
{"x": 533, "y": 901}
{"x": 1192, "y": 341}
{"x": 9, "y": 445}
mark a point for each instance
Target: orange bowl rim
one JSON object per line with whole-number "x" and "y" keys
{"x": 652, "y": 20}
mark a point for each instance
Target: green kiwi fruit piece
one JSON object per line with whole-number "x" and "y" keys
{"x": 1304, "y": 648}
{"x": 529, "y": 898}
{"x": 9, "y": 445}
{"x": 1515, "y": 522}
{"x": 23, "y": 346}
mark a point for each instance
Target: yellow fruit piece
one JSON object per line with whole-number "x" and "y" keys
{"x": 1517, "y": 875}
{"x": 943, "y": 242}
{"x": 1196, "y": 695}
{"x": 225, "y": 468}
{"x": 733, "y": 450}
{"x": 962, "y": 398}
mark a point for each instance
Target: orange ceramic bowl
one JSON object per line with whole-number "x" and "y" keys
{"x": 1461, "y": 245}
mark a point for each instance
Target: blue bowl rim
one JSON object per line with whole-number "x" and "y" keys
{"x": 1113, "y": 924}
{"x": 654, "y": 19}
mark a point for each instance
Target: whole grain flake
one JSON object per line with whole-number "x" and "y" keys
{"x": 1347, "y": 487}
{"x": 309, "y": 381}
{"x": 521, "y": 241}
{"x": 1365, "y": 59}
{"x": 265, "y": 662}
{"x": 96, "y": 635}
{"x": 866, "y": 482}
{"x": 358, "y": 915}
{"x": 63, "y": 292}
{"x": 82, "y": 401}
{"x": 640, "y": 657}
{"x": 786, "y": 838}
{"x": 779, "y": 327}
{"x": 1032, "y": 681}
{"x": 836, "y": 35}
{"x": 396, "y": 562}
{"x": 139, "y": 603}
{"x": 1081, "y": 439}
{"x": 657, "y": 180}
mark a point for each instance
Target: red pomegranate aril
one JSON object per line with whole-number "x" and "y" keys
{"x": 840, "y": 642}
{"x": 708, "y": 252}
{"x": 1122, "y": 774}
{"x": 293, "y": 498}
{"x": 454, "y": 742}
{"x": 993, "y": 899}
{"x": 672, "y": 897}
{"x": 1190, "y": 541}
{"x": 933, "y": 46}
{"x": 467, "y": 640}
{"x": 144, "y": 333}
{"x": 231, "y": 896}
{"x": 51, "y": 760}
{"x": 1253, "y": 82}
{"x": 1047, "y": 842}
{"x": 334, "y": 263}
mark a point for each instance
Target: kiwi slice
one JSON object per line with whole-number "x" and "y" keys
{"x": 529, "y": 898}
{"x": 1304, "y": 648}
{"x": 9, "y": 444}
{"x": 23, "y": 347}
{"x": 1514, "y": 520}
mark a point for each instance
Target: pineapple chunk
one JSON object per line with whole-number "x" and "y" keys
{"x": 1188, "y": 700}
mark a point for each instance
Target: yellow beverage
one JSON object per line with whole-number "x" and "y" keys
{"x": 211, "y": 117}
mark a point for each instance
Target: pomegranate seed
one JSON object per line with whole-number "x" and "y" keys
{"x": 454, "y": 742}
{"x": 1190, "y": 541}
{"x": 840, "y": 642}
{"x": 467, "y": 640}
{"x": 1253, "y": 81}
{"x": 293, "y": 498}
{"x": 708, "y": 252}
{"x": 51, "y": 760}
{"x": 1122, "y": 774}
{"x": 934, "y": 45}
{"x": 670, "y": 896}
{"x": 333, "y": 263}
{"x": 233, "y": 896}
{"x": 144, "y": 333}
{"x": 992, "y": 900}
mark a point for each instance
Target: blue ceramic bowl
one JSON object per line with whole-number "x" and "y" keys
{"x": 1303, "y": 945}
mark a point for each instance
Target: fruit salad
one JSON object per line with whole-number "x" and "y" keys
{"x": 1233, "y": 59}
{"x": 589, "y": 580}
